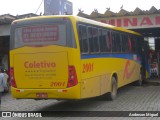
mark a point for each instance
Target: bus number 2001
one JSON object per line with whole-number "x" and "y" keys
{"x": 56, "y": 84}
{"x": 88, "y": 67}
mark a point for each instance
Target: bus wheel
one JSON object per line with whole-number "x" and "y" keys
{"x": 139, "y": 82}
{"x": 113, "y": 93}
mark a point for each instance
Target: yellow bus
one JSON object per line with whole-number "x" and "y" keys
{"x": 70, "y": 57}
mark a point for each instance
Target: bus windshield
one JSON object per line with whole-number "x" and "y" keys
{"x": 41, "y": 33}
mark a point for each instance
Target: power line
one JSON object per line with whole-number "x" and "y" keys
{"x": 39, "y": 6}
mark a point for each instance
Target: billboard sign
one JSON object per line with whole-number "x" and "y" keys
{"x": 57, "y": 7}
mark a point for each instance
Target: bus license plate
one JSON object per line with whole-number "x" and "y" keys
{"x": 42, "y": 95}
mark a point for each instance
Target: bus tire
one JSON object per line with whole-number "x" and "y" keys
{"x": 113, "y": 93}
{"x": 140, "y": 81}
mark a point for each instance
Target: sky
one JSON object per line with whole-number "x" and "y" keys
{"x": 19, "y": 7}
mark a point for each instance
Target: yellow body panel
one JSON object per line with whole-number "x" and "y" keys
{"x": 68, "y": 93}
{"x": 31, "y": 81}
{"x": 97, "y": 79}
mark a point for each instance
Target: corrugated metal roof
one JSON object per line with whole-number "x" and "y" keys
{"x": 83, "y": 14}
{"x": 138, "y": 11}
{"x": 7, "y": 18}
{"x": 109, "y": 13}
{"x": 122, "y": 12}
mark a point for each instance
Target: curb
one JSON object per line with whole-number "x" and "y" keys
{"x": 152, "y": 82}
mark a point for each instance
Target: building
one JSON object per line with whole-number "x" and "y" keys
{"x": 58, "y": 7}
{"x": 5, "y": 22}
{"x": 146, "y": 22}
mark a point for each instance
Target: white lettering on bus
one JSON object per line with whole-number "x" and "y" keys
{"x": 42, "y": 64}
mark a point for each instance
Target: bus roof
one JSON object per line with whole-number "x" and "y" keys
{"x": 105, "y": 25}
{"x": 81, "y": 19}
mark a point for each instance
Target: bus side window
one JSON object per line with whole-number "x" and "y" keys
{"x": 124, "y": 43}
{"x": 83, "y": 38}
{"x": 109, "y": 41}
{"x": 116, "y": 42}
{"x": 93, "y": 39}
{"x": 104, "y": 41}
{"x": 139, "y": 44}
{"x": 134, "y": 44}
{"x": 90, "y": 38}
{"x": 130, "y": 44}
{"x": 113, "y": 42}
